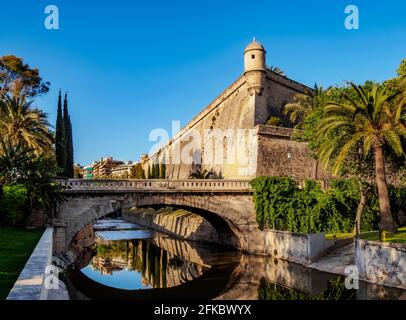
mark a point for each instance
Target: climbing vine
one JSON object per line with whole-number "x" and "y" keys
{"x": 280, "y": 204}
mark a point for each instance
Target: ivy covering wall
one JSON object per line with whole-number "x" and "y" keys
{"x": 280, "y": 204}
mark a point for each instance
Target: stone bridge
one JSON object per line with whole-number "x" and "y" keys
{"x": 226, "y": 204}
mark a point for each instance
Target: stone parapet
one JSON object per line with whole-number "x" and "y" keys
{"x": 381, "y": 263}
{"x": 296, "y": 247}
{"x": 30, "y": 285}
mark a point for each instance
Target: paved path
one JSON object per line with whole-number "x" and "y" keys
{"x": 335, "y": 261}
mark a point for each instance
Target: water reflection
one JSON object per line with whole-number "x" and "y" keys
{"x": 131, "y": 262}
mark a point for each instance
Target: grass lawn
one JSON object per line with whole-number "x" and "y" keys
{"x": 16, "y": 245}
{"x": 399, "y": 237}
{"x": 330, "y": 236}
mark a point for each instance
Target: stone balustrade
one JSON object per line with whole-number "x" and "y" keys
{"x": 191, "y": 185}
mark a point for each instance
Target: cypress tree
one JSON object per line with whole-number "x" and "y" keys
{"x": 60, "y": 150}
{"x": 153, "y": 173}
{"x": 69, "y": 151}
{"x": 162, "y": 171}
{"x": 149, "y": 172}
{"x": 157, "y": 171}
{"x": 68, "y": 139}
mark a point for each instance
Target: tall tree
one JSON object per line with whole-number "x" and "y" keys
{"x": 67, "y": 126}
{"x": 162, "y": 171}
{"x": 372, "y": 120}
{"x": 154, "y": 171}
{"x": 137, "y": 172}
{"x": 19, "y": 80}
{"x": 60, "y": 150}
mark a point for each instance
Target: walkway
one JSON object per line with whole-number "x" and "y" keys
{"x": 336, "y": 261}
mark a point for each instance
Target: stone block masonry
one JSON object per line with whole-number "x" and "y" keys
{"x": 245, "y": 106}
{"x": 381, "y": 263}
{"x": 178, "y": 223}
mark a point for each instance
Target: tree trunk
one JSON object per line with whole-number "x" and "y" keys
{"x": 361, "y": 205}
{"x": 386, "y": 223}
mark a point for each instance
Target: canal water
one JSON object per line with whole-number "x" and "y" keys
{"x": 129, "y": 261}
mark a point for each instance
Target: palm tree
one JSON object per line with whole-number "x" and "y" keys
{"x": 304, "y": 104}
{"x": 274, "y": 121}
{"x": 12, "y": 161}
{"x": 371, "y": 120}
{"x": 403, "y": 90}
{"x": 277, "y": 70}
{"x": 19, "y": 122}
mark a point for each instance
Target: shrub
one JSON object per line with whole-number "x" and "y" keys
{"x": 14, "y": 205}
{"x": 281, "y": 205}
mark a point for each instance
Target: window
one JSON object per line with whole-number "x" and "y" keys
{"x": 253, "y": 56}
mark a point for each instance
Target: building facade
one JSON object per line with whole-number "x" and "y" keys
{"x": 122, "y": 171}
{"x": 103, "y": 167}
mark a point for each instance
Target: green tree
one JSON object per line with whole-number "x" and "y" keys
{"x": 401, "y": 71}
{"x": 274, "y": 121}
{"x": 402, "y": 81}
{"x": 21, "y": 123}
{"x": 69, "y": 170}
{"x": 12, "y": 161}
{"x": 13, "y": 205}
{"x": 37, "y": 176}
{"x": 304, "y": 104}
{"x": 157, "y": 168}
{"x": 60, "y": 149}
{"x": 153, "y": 171}
{"x": 162, "y": 171}
{"x": 372, "y": 120}
{"x": 19, "y": 80}
{"x": 137, "y": 172}
{"x": 277, "y": 70}
{"x": 19, "y": 165}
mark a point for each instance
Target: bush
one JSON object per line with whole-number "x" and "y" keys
{"x": 281, "y": 205}
{"x": 13, "y": 205}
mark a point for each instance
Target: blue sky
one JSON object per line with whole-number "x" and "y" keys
{"x": 133, "y": 66}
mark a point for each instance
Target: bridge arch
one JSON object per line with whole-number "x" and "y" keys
{"x": 226, "y": 204}
{"x": 226, "y": 219}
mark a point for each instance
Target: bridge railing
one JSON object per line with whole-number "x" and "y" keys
{"x": 155, "y": 184}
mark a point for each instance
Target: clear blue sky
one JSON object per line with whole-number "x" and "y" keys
{"x": 133, "y": 66}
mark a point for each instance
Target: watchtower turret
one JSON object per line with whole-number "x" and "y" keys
{"x": 255, "y": 67}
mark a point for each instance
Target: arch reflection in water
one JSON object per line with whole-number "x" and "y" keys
{"x": 157, "y": 266}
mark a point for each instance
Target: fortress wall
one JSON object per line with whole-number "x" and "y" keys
{"x": 277, "y": 93}
{"x": 279, "y": 155}
{"x": 233, "y": 109}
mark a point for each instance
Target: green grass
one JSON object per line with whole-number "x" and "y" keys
{"x": 16, "y": 245}
{"x": 339, "y": 236}
{"x": 399, "y": 237}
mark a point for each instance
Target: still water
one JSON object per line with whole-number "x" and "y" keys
{"x": 131, "y": 262}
